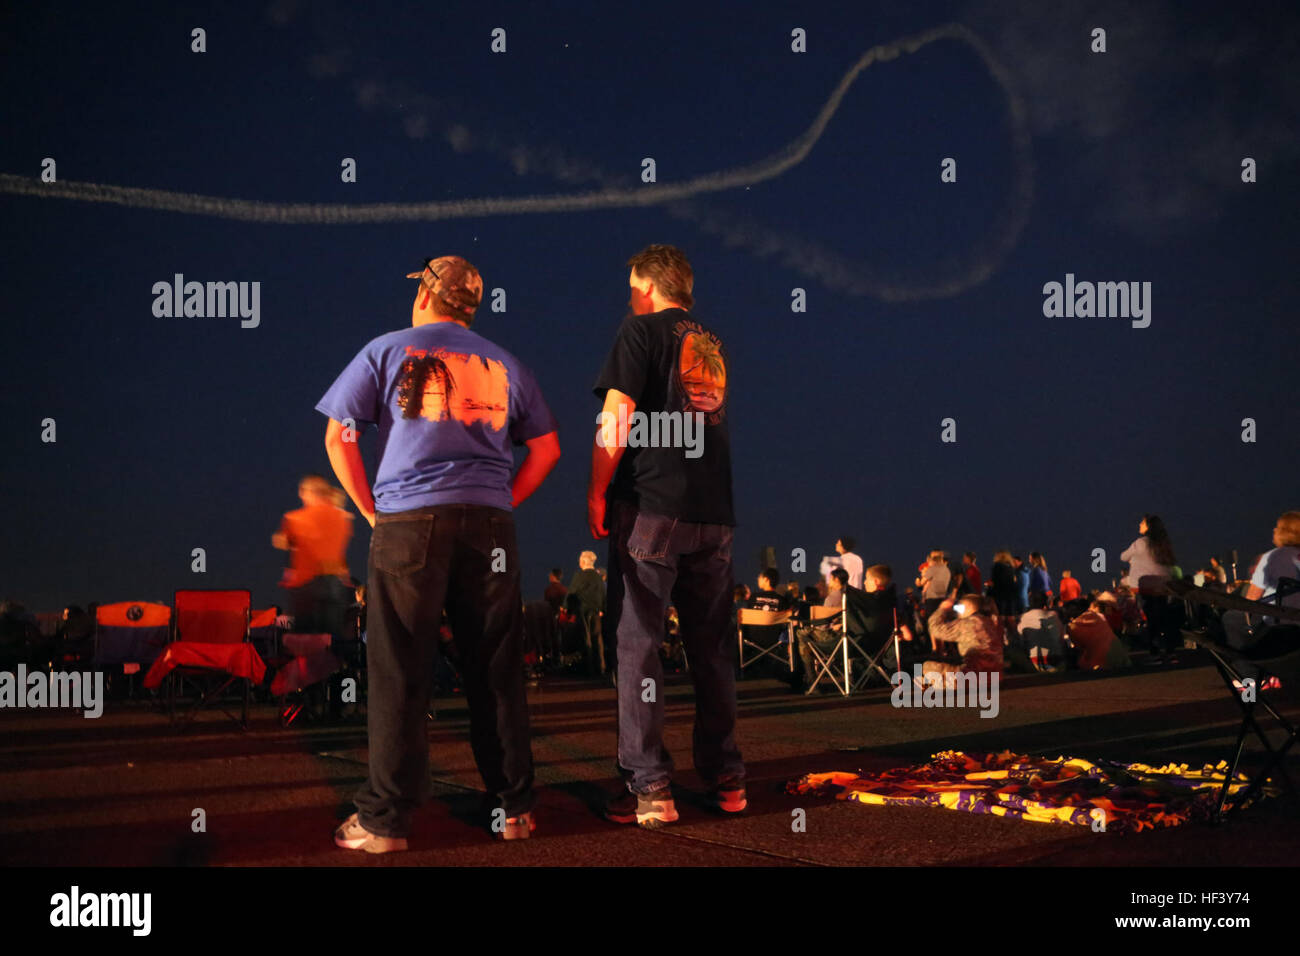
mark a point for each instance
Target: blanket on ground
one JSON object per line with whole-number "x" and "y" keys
{"x": 1102, "y": 794}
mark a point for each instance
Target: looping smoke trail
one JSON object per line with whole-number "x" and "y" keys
{"x": 647, "y": 195}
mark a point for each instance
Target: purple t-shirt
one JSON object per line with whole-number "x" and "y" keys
{"x": 449, "y": 405}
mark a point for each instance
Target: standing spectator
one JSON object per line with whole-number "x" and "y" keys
{"x": 933, "y": 582}
{"x": 1150, "y": 559}
{"x": 317, "y": 580}
{"x": 587, "y": 601}
{"x": 449, "y": 405}
{"x": 957, "y": 583}
{"x": 671, "y": 527}
{"x": 1040, "y": 582}
{"x": 974, "y": 579}
{"x": 849, "y": 561}
{"x": 1022, "y": 585}
{"x": 1071, "y": 589}
{"x": 1002, "y": 586}
{"x": 555, "y": 590}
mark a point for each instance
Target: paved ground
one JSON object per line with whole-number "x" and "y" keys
{"x": 120, "y": 790}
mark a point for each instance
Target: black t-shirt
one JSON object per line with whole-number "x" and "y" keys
{"x": 667, "y": 362}
{"x": 770, "y": 601}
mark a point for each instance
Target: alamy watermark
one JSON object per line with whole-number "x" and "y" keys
{"x": 652, "y": 430}
{"x": 946, "y": 689}
{"x": 1084, "y": 300}
{"x": 209, "y": 300}
{"x": 79, "y": 691}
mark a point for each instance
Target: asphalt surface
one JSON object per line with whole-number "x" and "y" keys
{"x": 122, "y": 790}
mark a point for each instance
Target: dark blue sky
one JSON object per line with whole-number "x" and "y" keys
{"x": 178, "y": 433}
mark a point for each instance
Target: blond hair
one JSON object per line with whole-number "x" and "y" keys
{"x": 1289, "y": 527}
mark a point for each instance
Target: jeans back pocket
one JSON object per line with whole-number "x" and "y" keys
{"x": 400, "y": 544}
{"x": 650, "y": 536}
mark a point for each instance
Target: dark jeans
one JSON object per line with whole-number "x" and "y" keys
{"x": 420, "y": 562}
{"x": 652, "y": 560}
{"x": 321, "y": 607}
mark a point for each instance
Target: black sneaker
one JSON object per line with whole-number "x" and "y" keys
{"x": 650, "y": 810}
{"x": 729, "y": 797}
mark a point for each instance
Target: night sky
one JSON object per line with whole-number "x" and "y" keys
{"x": 924, "y": 298}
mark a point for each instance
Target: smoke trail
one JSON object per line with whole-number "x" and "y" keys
{"x": 805, "y": 255}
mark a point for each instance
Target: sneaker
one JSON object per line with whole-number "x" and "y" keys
{"x": 650, "y": 810}
{"x": 518, "y": 828}
{"x": 353, "y": 836}
{"x": 729, "y": 796}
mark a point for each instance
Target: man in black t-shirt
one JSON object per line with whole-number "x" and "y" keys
{"x": 661, "y": 491}
{"x": 767, "y": 597}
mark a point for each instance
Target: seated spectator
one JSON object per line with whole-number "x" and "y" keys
{"x": 1042, "y": 635}
{"x": 767, "y": 598}
{"x": 821, "y": 633}
{"x": 1071, "y": 589}
{"x": 1098, "y": 647}
{"x": 1281, "y": 563}
{"x": 968, "y": 623}
{"x": 884, "y": 611}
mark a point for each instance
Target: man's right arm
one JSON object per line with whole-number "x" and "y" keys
{"x": 345, "y": 458}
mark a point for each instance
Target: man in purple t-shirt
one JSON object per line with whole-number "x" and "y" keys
{"x": 449, "y": 406}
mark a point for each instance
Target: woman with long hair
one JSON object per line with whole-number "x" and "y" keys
{"x": 1150, "y": 562}
{"x": 1040, "y": 582}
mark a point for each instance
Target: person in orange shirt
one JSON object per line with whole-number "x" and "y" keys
{"x": 316, "y": 537}
{"x": 1071, "y": 589}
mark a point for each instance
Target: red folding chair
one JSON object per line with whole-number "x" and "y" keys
{"x": 210, "y": 650}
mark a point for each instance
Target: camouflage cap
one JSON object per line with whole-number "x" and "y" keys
{"x": 453, "y": 281}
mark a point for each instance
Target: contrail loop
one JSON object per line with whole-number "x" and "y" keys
{"x": 792, "y": 154}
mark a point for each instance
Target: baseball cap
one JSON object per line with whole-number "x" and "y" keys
{"x": 453, "y": 280}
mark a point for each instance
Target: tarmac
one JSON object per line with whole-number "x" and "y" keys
{"x": 123, "y": 790}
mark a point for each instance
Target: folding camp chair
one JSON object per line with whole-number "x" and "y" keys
{"x": 769, "y": 621}
{"x": 210, "y": 651}
{"x": 855, "y": 624}
{"x": 833, "y": 656}
{"x": 1271, "y": 657}
{"x": 131, "y": 634}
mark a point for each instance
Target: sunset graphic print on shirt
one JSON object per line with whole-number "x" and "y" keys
{"x": 701, "y": 370}
{"x": 443, "y": 386}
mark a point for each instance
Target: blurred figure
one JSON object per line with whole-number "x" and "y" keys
{"x": 849, "y": 561}
{"x": 316, "y": 537}
{"x": 1042, "y": 634}
{"x": 586, "y": 598}
{"x": 1022, "y": 585}
{"x": 1094, "y": 638}
{"x": 1040, "y": 582}
{"x": 969, "y": 624}
{"x": 555, "y": 590}
{"x": 1002, "y": 584}
{"x": 1071, "y": 589}
{"x": 1150, "y": 559}
{"x": 974, "y": 579}
{"x": 933, "y": 582}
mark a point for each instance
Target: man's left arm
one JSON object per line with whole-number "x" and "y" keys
{"x": 345, "y": 458}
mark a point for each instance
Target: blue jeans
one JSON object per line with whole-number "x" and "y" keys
{"x": 654, "y": 559}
